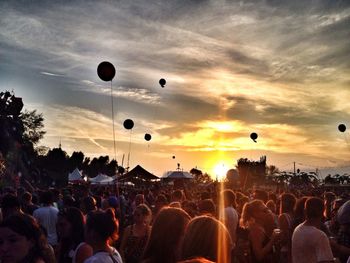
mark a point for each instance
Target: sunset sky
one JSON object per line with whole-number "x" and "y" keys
{"x": 277, "y": 68}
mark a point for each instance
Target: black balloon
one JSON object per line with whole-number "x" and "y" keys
{"x": 148, "y": 137}
{"x": 106, "y": 71}
{"x": 342, "y": 127}
{"x": 254, "y": 136}
{"x": 162, "y": 82}
{"x": 128, "y": 124}
{"x": 173, "y": 156}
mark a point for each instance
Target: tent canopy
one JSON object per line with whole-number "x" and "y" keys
{"x": 138, "y": 172}
{"x": 101, "y": 179}
{"x": 177, "y": 175}
{"x": 75, "y": 176}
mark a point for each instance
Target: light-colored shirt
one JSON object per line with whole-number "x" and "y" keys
{"x": 231, "y": 222}
{"x": 47, "y": 217}
{"x": 105, "y": 257}
{"x": 310, "y": 245}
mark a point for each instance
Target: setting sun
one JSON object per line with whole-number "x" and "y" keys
{"x": 220, "y": 171}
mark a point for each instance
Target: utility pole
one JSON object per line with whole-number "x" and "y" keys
{"x": 294, "y": 167}
{"x": 123, "y": 160}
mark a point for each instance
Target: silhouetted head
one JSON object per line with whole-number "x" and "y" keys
{"x": 10, "y": 205}
{"x": 314, "y": 208}
{"x": 101, "y": 227}
{"x": 255, "y": 211}
{"x": 287, "y": 203}
{"x": 207, "y": 207}
{"x": 207, "y": 237}
{"x": 166, "y": 236}
{"x": 142, "y": 215}
{"x": 46, "y": 198}
{"x": 88, "y": 204}
{"x": 21, "y": 239}
{"x": 229, "y": 198}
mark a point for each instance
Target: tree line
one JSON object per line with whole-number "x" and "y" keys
{"x": 20, "y": 156}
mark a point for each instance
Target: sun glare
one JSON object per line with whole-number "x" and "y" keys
{"x": 220, "y": 171}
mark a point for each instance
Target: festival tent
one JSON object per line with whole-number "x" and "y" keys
{"x": 177, "y": 175}
{"x": 101, "y": 179}
{"x": 178, "y": 178}
{"x": 138, "y": 173}
{"x": 75, "y": 176}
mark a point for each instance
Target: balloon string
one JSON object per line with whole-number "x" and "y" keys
{"x": 346, "y": 139}
{"x": 155, "y": 112}
{"x": 129, "y": 149}
{"x": 115, "y": 151}
{"x": 114, "y": 143}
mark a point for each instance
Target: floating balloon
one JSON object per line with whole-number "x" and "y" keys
{"x": 148, "y": 137}
{"x": 254, "y": 136}
{"x": 162, "y": 82}
{"x": 128, "y": 124}
{"x": 342, "y": 127}
{"x": 106, "y": 71}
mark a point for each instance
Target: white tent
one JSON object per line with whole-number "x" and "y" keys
{"x": 75, "y": 176}
{"x": 177, "y": 175}
{"x": 101, "y": 179}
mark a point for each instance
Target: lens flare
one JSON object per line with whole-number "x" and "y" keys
{"x": 220, "y": 171}
{"x": 224, "y": 248}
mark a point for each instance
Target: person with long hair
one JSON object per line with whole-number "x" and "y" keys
{"x": 21, "y": 240}
{"x": 70, "y": 231}
{"x": 135, "y": 236}
{"x": 207, "y": 237}
{"x": 253, "y": 218}
{"x": 88, "y": 204}
{"x": 10, "y": 205}
{"x": 285, "y": 222}
{"x": 100, "y": 231}
{"x": 164, "y": 244}
{"x": 299, "y": 216}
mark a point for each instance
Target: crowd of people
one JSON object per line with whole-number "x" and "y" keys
{"x": 161, "y": 224}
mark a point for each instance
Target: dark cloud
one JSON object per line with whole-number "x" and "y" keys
{"x": 304, "y": 7}
{"x": 167, "y": 10}
{"x": 246, "y": 64}
{"x": 321, "y": 112}
{"x": 177, "y": 129}
{"x": 187, "y": 108}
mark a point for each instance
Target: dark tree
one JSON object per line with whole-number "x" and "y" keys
{"x": 33, "y": 126}
{"x": 19, "y": 133}
{"x": 54, "y": 166}
{"x": 75, "y": 161}
{"x": 98, "y": 165}
{"x": 199, "y": 177}
{"x": 11, "y": 126}
{"x": 112, "y": 168}
{"x": 251, "y": 172}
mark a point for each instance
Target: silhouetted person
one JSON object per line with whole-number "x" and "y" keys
{"x": 309, "y": 243}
